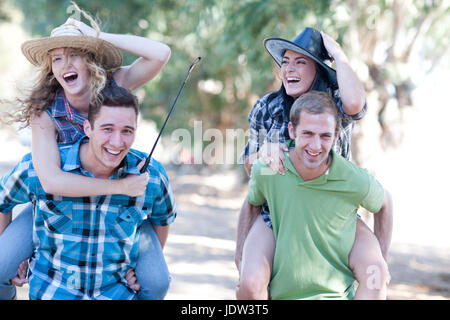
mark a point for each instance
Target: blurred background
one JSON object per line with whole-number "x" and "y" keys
{"x": 400, "y": 50}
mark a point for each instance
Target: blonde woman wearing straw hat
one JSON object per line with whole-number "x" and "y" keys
{"x": 304, "y": 66}
{"x": 75, "y": 62}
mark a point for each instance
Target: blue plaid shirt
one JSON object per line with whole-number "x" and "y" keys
{"x": 84, "y": 246}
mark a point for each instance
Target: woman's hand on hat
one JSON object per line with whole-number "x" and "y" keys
{"x": 333, "y": 48}
{"x": 84, "y": 28}
{"x": 273, "y": 156}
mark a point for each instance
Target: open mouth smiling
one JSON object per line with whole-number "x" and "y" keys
{"x": 112, "y": 152}
{"x": 70, "y": 77}
{"x": 293, "y": 80}
{"x": 313, "y": 154}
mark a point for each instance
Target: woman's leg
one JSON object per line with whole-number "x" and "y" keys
{"x": 257, "y": 260}
{"x": 368, "y": 265}
{"x": 151, "y": 269}
{"x": 16, "y": 245}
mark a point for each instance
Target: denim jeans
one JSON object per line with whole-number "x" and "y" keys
{"x": 16, "y": 245}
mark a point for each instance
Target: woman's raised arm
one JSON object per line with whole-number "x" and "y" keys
{"x": 47, "y": 163}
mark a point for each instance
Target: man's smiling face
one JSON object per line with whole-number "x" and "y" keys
{"x": 110, "y": 138}
{"x": 314, "y": 137}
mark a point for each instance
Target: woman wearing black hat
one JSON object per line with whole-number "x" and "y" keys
{"x": 304, "y": 64}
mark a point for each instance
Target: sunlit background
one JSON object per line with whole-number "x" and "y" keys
{"x": 399, "y": 49}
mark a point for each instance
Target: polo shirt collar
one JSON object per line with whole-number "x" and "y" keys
{"x": 334, "y": 172}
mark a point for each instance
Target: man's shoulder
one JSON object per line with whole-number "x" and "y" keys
{"x": 258, "y": 165}
{"x": 154, "y": 167}
{"x": 351, "y": 172}
{"x": 23, "y": 171}
{"x": 64, "y": 148}
{"x": 262, "y": 172}
{"x": 25, "y": 164}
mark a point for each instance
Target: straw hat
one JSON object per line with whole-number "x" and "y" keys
{"x": 309, "y": 43}
{"x": 70, "y": 36}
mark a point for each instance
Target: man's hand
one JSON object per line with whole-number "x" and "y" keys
{"x": 21, "y": 278}
{"x": 132, "y": 280}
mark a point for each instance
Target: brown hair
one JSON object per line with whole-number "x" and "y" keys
{"x": 113, "y": 96}
{"x": 314, "y": 102}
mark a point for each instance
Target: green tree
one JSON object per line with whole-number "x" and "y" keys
{"x": 384, "y": 40}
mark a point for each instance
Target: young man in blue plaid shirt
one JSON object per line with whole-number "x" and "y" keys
{"x": 85, "y": 247}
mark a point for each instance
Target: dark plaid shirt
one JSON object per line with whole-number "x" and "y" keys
{"x": 269, "y": 120}
{"x": 68, "y": 122}
{"x": 84, "y": 246}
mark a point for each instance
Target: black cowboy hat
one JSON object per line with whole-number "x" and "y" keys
{"x": 309, "y": 43}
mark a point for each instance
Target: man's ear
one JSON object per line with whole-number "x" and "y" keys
{"x": 87, "y": 127}
{"x": 291, "y": 130}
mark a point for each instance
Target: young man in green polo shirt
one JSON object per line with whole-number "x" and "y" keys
{"x": 314, "y": 210}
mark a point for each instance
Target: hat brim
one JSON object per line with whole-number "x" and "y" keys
{"x": 36, "y": 50}
{"x": 277, "y": 46}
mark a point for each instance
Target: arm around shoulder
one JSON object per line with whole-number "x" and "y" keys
{"x": 47, "y": 164}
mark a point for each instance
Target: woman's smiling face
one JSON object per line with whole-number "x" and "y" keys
{"x": 297, "y": 72}
{"x": 70, "y": 70}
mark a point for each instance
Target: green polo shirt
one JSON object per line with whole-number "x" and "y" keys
{"x": 314, "y": 223}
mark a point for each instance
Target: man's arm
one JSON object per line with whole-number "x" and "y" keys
{"x": 383, "y": 223}
{"x": 16, "y": 187}
{"x": 5, "y": 220}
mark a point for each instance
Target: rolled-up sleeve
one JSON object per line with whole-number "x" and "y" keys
{"x": 164, "y": 210}
{"x": 15, "y": 186}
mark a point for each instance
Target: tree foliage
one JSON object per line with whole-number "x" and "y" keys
{"x": 385, "y": 41}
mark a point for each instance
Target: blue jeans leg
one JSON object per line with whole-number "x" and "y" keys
{"x": 16, "y": 245}
{"x": 151, "y": 269}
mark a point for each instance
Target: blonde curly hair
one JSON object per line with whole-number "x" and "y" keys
{"x": 42, "y": 94}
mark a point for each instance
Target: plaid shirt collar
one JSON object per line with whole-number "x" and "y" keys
{"x": 62, "y": 109}
{"x": 72, "y": 161}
